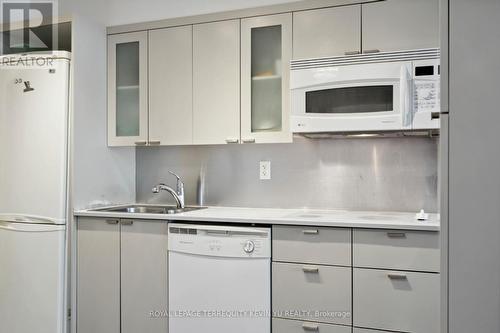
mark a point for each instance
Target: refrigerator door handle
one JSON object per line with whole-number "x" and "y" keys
{"x": 14, "y": 218}
{"x": 25, "y": 227}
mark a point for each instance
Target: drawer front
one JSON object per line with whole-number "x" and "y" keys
{"x": 327, "y": 246}
{"x": 398, "y": 301}
{"x": 296, "y": 326}
{"x": 314, "y": 293}
{"x": 395, "y": 249}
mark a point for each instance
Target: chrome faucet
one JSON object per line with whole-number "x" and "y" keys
{"x": 177, "y": 194}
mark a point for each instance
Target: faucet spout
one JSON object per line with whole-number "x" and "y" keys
{"x": 178, "y": 197}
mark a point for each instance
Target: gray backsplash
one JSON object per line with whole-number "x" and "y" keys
{"x": 383, "y": 174}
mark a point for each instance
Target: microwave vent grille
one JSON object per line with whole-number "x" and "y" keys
{"x": 367, "y": 58}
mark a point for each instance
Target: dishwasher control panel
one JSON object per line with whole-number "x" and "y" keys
{"x": 220, "y": 241}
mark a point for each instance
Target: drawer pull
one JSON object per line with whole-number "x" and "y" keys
{"x": 127, "y": 222}
{"x": 310, "y": 231}
{"x": 397, "y": 276}
{"x": 396, "y": 235}
{"x": 154, "y": 143}
{"x": 141, "y": 143}
{"x": 310, "y": 327}
{"x": 371, "y": 51}
{"x": 310, "y": 269}
{"x": 348, "y": 53}
{"x": 232, "y": 140}
{"x": 112, "y": 221}
{"x": 248, "y": 140}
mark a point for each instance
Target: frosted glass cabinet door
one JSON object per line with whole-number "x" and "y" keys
{"x": 127, "y": 89}
{"x": 266, "y": 47}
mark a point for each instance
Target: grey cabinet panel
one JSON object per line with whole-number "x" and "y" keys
{"x": 171, "y": 86}
{"x": 314, "y": 293}
{"x": 395, "y": 300}
{"x": 216, "y": 82}
{"x": 396, "y": 249}
{"x": 98, "y": 276}
{"x": 143, "y": 276}
{"x": 297, "y": 326}
{"x": 329, "y": 246}
{"x": 326, "y": 32}
{"x": 474, "y": 161}
{"x": 400, "y": 25}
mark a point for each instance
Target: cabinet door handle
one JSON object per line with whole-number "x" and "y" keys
{"x": 310, "y": 269}
{"x": 232, "y": 140}
{"x": 141, "y": 143}
{"x": 310, "y": 327}
{"x": 154, "y": 143}
{"x": 347, "y": 53}
{"x": 396, "y": 235}
{"x": 248, "y": 140}
{"x": 371, "y": 51}
{"x": 112, "y": 221}
{"x": 393, "y": 276}
{"x": 310, "y": 231}
{"x": 127, "y": 222}
{"x": 435, "y": 115}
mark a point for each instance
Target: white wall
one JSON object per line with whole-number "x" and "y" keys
{"x": 133, "y": 11}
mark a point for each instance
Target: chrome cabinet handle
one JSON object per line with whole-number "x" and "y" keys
{"x": 112, "y": 221}
{"x": 371, "y": 51}
{"x": 232, "y": 140}
{"x": 310, "y": 231}
{"x": 351, "y": 53}
{"x": 310, "y": 269}
{"x": 248, "y": 140}
{"x": 141, "y": 143}
{"x": 127, "y": 222}
{"x": 396, "y": 235}
{"x": 393, "y": 276}
{"x": 154, "y": 143}
{"x": 310, "y": 327}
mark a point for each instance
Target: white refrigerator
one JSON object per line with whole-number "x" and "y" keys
{"x": 34, "y": 155}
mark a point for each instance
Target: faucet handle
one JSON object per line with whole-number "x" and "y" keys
{"x": 180, "y": 184}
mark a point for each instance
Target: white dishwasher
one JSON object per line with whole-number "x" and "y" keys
{"x": 219, "y": 279}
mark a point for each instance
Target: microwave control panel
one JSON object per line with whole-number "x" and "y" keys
{"x": 426, "y": 85}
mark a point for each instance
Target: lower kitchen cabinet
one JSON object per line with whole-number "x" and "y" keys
{"x": 121, "y": 276}
{"x": 297, "y": 326}
{"x": 396, "y": 300}
{"x": 143, "y": 276}
{"x": 312, "y": 292}
{"x": 98, "y": 276}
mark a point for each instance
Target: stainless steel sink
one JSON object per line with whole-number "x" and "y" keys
{"x": 146, "y": 209}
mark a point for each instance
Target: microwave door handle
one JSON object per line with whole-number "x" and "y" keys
{"x": 406, "y": 96}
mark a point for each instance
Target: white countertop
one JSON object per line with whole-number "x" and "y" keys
{"x": 310, "y": 217}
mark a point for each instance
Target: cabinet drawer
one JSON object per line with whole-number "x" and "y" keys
{"x": 398, "y": 301}
{"x": 312, "y": 292}
{"x": 327, "y": 246}
{"x": 295, "y": 326}
{"x": 393, "y": 249}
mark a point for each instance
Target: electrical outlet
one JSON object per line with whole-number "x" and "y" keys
{"x": 265, "y": 170}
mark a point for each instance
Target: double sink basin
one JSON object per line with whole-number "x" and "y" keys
{"x": 149, "y": 209}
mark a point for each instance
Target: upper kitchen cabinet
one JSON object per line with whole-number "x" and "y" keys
{"x": 266, "y": 46}
{"x": 327, "y": 32}
{"x": 400, "y": 25}
{"x": 216, "y": 82}
{"x": 170, "y": 86}
{"x": 127, "y": 89}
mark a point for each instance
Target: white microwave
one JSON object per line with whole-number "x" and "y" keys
{"x": 390, "y": 91}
